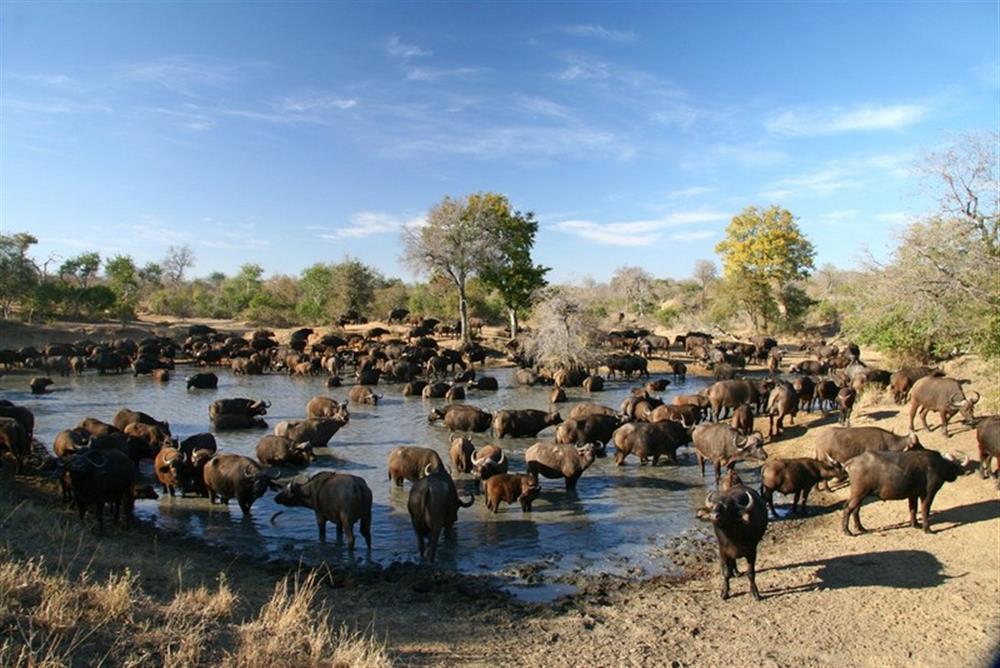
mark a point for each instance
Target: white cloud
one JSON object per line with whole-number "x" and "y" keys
{"x": 832, "y": 120}
{"x": 693, "y": 236}
{"x": 822, "y": 183}
{"x": 180, "y": 74}
{"x": 893, "y": 217}
{"x": 580, "y": 68}
{"x": 434, "y": 73}
{"x": 693, "y": 191}
{"x": 542, "y": 107}
{"x": 394, "y": 47}
{"x": 642, "y": 232}
{"x": 840, "y": 214}
{"x": 599, "y": 32}
{"x": 367, "y": 223}
{"x": 53, "y": 80}
{"x": 317, "y": 102}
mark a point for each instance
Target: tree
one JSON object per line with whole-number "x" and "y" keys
{"x": 237, "y": 293}
{"x": 353, "y": 285}
{"x": 178, "y": 260}
{"x": 76, "y": 273}
{"x": 123, "y": 279}
{"x": 512, "y": 274}
{"x": 564, "y": 335}
{"x": 635, "y": 285}
{"x": 314, "y": 293}
{"x": 762, "y": 253}
{"x": 457, "y": 241}
{"x": 705, "y": 273}
{"x": 18, "y": 274}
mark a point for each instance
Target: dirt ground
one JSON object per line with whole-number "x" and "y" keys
{"x": 892, "y": 597}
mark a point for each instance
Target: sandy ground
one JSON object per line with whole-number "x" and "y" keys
{"x": 893, "y": 597}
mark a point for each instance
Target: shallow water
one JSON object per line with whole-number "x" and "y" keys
{"x": 618, "y": 521}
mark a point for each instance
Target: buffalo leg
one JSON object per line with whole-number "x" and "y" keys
{"x": 850, "y": 508}
{"x": 926, "y": 511}
{"x": 571, "y": 483}
{"x": 913, "y": 511}
{"x": 805, "y": 499}
{"x": 366, "y": 529}
{"x": 795, "y": 502}
{"x": 768, "y": 495}
{"x": 421, "y": 544}
{"x": 726, "y": 566}
{"x": 913, "y": 413}
{"x": 433, "y": 540}
{"x": 923, "y": 418}
{"x": 752, "y": 574}
{"x": 321, "y": 525}
{"x": 348, "y": 526}
{"x": 945, "y": 416}
{"x": 718, "y": 472}
{"x": 701, "y": 463}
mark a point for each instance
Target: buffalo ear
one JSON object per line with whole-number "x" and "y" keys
{"x": 164, "y": 469}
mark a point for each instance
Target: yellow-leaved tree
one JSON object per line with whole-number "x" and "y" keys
{"x": 763, "y": 255}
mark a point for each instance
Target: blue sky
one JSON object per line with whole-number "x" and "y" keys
{"x": 288, "y": 134}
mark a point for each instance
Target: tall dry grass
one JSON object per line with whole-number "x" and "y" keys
{"x": 62, "y": 610}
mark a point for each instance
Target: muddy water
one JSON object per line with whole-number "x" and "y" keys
{"x": 618, "y": 521}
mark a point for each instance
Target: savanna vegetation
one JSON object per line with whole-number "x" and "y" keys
{"x": 936, "y": 296}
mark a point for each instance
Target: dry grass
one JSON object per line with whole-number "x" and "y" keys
{"x": 61, "y": 610}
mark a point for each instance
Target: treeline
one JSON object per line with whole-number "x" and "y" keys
{"x": 938, "y": 295}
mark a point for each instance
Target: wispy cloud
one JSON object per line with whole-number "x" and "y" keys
{"x": 437, "y": 73}
{"x": 893, "y": 217}
{"x": 642, "y": 232}
{"x": 49, "y": 80}
{"x": 821, "y": 183}
{"x": 693, "y": 191}
{"x": 366, "y": 223}
{"x": 540, "y": 106}
{"x": 180, "y": 74}
{"x": 583, "y": 68}
{"x": 599, "y": 32}
{"x": 832, "y": 120}
{"x": 840, "y": 214}
{"x": 313, "y": 101}
{"x": 397, "y": 49}
{"x": 55, "y": 106}
{"x": 755, "y": 154}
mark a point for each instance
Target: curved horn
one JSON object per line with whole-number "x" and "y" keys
{"x": 427, "y": 470}
{"x": 266, "y": 403}
{"x": 685, "y": 424}
{"x": 711, "y": 499}
{"x": 976, "y": 400}
{"x": 104, "y": 460}
{"x": 961, "y": 399}
{"x": 749, "y": 504}
{"x": 502, "y": 458}
{"x": 476, "y": 461}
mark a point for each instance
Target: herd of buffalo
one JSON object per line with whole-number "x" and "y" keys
{"x": 97, "y": 462}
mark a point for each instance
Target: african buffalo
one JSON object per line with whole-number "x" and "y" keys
{"x": 842, "y": 443}
{"x": 229, "y": 476}
{"x": 846, "y": 397}
{"x": 783, "y": 400}
{"x": 509, "y": 488}
{"x": 585, "y": 409}
{"x": 521, "y": 423}
{"x": 433, "y": 506}
{"x": 279, "y": 450}
{"x": 484, "y": 383}
{"x": 316, "y": 431}
{"x": 102, "y": 476}
{"x": 594, "y": 428}
{"x": 794, "y": 476}
{"x": 126, "y": 417}
{"x": 742, "y": 419}
{"x": 730, "y": 394}
{"x": 912, "y": 475}
{"x": 70, "y": 441}
{"x": 720, "y": 443}
{"x": 202, "y": 381}
{"x": 412, "y": 463}
{"x": 902, "y": 381}
{"x": 649, "y": 440}
{"x": 173, "y": 470}
{"x": 988, "y": 440}
{"x": 559, "y": 460}
{"x": 14, "y": 440}
{"x": 488, "y": 461}
{"x": 435, "y": 390}
{"x": 944, "y": 395}
{"x": 361, "y": 394}
{"x": 460, "y": 454}
{"x": 23, "y": 416}
{"x": 740, "y": 520}
{"x": 593, "y": 384}
{"x": 462, "y": 418}
{"x": 335, "y": 497}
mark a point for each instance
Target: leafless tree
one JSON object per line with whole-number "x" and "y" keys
{"x": 635, "y": 284}
{"x": 178, "y": 260}
{"x": 563, "y": 334}
{"x": 705, "y": 273}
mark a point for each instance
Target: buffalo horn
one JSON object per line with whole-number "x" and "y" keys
{"x": 749, "y": 504}
{"x": 502, "y": 457}
{"x": 427, "y": 470}
{"x": 104, "y": 460}
{"x": 976, "y": 400}
{"x": 961, "y": 400}
{"x": 476, "y": 461}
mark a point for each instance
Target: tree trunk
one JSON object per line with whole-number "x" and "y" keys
{"x": 463, "y": 309}
{"x": 513, "y": 322}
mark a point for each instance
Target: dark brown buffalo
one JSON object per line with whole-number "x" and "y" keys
{"x": 414, "y": 388}
{"x": 460, "y": 453}
{"x": 728, "y": 394}
{"x": 988, "y": 440}
{"x": 846, "y": 397}
{"x": 559, "y": 460}
{"x": 228, "y": 476}
{"x": 462, "y": 418}
{"x": 784, "y": 400}
{"x": 902, "y": 381}
{"x": 557, "y": 395}
{"x": 335, "y": 497}
{"x": 595, "y": 428}
{"x": 412, "y": 463}
{"x": 842, "y": 443}
{"x": 433, "y": 506}
{"x": 173, "y": 470}
{"x": 126, "y": 417}
{"x": 362, "y": 394}
{"x": 279, "y": 450}
{"x": 202, "y": 381}
{"x": 740, "y": 520}
{"x": 435, "y": 390}
{"x": 96, "y": 428}
{"x": 805, "y": 388}
{"x": 522, "y": 423}
{"x": 794, "y": 476}
{"x": 240, "y": 406}
{"x": 325, "y": 407}
{"x": 742, "y": 419}
{"x": 583, "y": 410}
{"x": 39, "y": 385}
{"x": 649, "y": 441}
{"x": 809, "y": 368}
{"x": 102, "y": 476}
{"x": 317, "y": 431}
{"x": 23, "y": 416}
{"x": 593, "y": 384}
{"x": 152, "y": 435}
{"x": 826, "y": 393}
{"x": 202, "y": 441}
{"x": 70, "y": 441}
{"x": 14, "y": 440}
{"x": 911, "y": 475}
{"x": 943, "y": 395}
{"x": 724, "y": 446}
{"x": 509, "y": 488}
{"x": 686, "y": 414}
{"x": 486, "y": 383}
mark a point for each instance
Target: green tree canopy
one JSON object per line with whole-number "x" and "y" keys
{"x": 18, "y": 274}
